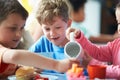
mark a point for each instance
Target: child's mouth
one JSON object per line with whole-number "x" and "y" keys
{"x": 16, "y": 41}
{"x": 55, "y": 38}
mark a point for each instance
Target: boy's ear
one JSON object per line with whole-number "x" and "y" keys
{"x": 69, "y": 22}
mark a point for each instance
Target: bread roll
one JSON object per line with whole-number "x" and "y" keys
{"x": 25, "y": 73}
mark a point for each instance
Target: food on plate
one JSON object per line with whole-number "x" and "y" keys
{"x": 25, "y": 73}
{"x": 75, "y": 73}
{"x": 28, "y": 73}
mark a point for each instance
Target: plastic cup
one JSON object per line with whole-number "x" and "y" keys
{"x": 96, "y": 71}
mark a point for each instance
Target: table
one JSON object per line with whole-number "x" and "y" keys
{"x": 50, "y": 76}
{"x": 56, "y": 76}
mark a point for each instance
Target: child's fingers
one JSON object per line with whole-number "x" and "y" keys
{"x": 68, "y": 31}
{"x": 77, "y": 33}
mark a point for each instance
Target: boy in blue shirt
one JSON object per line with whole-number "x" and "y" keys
{"x": 54, "y": 20}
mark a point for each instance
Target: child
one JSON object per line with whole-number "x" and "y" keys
{"x": 53, "y": 18}
{"x": 109, "y": 52}
{"x": 12, "y": 21}
{"x": 77, "y": 14}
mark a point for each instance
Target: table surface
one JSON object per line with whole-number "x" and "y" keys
{"x": 51, "y": 76}
{"x": 56, "y": 76}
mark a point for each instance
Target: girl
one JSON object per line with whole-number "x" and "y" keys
{"x": 108, "y": 53}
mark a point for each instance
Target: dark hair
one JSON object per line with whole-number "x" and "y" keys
{"x": 77, "y": 4}
{"x": 118, "y": 5}
{"x": 8, "y": 7}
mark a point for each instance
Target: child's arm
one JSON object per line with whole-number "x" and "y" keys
{"x": 30, "y": 59}
{"x": 113, "y": 71}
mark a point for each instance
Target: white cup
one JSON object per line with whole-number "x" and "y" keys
{"x": 73, "y": 49}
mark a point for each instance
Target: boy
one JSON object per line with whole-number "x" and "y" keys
{"x": 53, "y": 18}
{"x": 12, "y": 21}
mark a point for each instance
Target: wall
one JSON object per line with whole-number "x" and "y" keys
{"x": 93, "y": 13}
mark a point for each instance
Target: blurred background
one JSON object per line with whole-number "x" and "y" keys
{"x": 100, "y": 15}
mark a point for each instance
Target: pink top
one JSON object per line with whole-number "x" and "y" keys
{"x": 107, "y": 53}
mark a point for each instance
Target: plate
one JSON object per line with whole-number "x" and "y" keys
{"x": 11, "y": 78}
{"x": 50, "y": 77}
{"x": 59, "y": 75}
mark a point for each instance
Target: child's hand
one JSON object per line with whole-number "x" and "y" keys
{"x": 86, "y": 59}
{"x": 66, "y": 64}
{"x": 38, "y": 70}
{"x": 76, "y": 33}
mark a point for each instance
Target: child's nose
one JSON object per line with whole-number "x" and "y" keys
{"x": 19, "y": 33}
{"x": 53, "y": 33}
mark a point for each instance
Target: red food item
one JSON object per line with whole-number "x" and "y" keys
{"x": 37, "y": 76}
{"x": 45, "y": 79}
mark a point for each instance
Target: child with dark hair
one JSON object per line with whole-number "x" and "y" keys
{"x": 12, "y": 21}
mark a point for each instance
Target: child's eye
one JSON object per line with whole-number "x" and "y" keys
{"x": 22, "y": 28}
{"x": 13, "y": 28}
{"x": 47, "y": 29}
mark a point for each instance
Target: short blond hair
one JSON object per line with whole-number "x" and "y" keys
{"x": 48, "y": 9}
